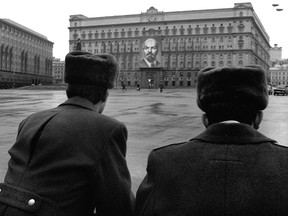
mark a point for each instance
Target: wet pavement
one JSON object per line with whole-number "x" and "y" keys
{"x": 153, "y": 119}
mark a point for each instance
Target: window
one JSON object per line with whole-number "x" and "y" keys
{"x": 197, "y": 30}
{"x": 205, "y": 64}
{"x": 230, "y": 28}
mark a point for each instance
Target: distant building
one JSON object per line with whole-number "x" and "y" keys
{"x": 278, "y": 73}
{"x": 275, "y": 53}
{"x": 25, "y": 56}
{"x": 58, "y": 71}
{"x": 187, "y": 41}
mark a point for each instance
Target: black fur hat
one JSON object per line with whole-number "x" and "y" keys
{"x": 232, "y": 87}
{"x": 88, "y": 69}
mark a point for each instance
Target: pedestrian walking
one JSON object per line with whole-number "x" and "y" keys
{"x": 138, "y": 87}
{"x": 161, "y": 87}
{"x": 123, "y": 87}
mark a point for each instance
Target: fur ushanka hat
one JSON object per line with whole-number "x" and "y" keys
{"x": 232, "y": 87}
{"x": 85, "y": 68}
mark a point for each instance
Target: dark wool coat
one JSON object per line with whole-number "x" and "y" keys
{"x": 65, "y": 162}
{"x": 230, "y": 169}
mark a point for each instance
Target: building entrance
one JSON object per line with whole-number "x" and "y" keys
{"x": 151, "y": 77}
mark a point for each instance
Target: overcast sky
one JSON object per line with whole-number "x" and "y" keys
{"x": 51, "y": 18}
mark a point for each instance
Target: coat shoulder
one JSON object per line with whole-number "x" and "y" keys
{"x": 171, "y": 147}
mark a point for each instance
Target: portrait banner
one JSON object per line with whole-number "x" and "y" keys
{"x": 150, "y": 52}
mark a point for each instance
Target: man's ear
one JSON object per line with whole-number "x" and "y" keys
{"x": 258, "y": 119}
{"x": 205, "y": 120}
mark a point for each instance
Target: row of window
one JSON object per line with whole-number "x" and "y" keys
{"x": 167, "y": 31}
{"x": 168, "y": 41}
{"x": 279, "y": 73}
{"x": 4, "y": 27}
{"x": 189, "y": 65}
{"x": 179, "y": 48}
{"x": 166, "y": 83}
{"x": 279, "y": 82}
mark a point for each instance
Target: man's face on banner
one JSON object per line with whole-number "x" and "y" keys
{"x": 150, "y": 49}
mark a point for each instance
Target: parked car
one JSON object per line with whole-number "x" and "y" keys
{"x": 280, "y": 91}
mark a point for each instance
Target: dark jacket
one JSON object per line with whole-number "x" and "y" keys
{"x": 69, "y": 160}
{"x": 230, "y": 169}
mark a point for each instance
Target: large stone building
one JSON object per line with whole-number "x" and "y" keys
{"x": 187, "y": 41}
{"x": 25, "y": 56}
{"x": 58, "y": 71}
{"x": 278, "y": 72}
{"x": 278, "y": 75}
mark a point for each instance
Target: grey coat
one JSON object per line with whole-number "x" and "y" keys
{"x": 68, "y": 161}
{"x": 230, "y": 169}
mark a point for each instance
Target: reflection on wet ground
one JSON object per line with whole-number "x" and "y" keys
{"x": 153, "y": 119}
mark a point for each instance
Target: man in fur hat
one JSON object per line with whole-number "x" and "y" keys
{"x": 70, "y": 160}
{"x": 230, "y": 168}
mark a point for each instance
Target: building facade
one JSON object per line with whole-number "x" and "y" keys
{"x": 25, "y": 56}
{"x": 58, "y": 71}
{"x": 275, "y": 53}
{"x": 278, "y": 74}
{"x": 186, "y": 41}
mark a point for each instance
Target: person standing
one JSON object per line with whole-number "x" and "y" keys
{"x": 71, "y": 159}
{"x": 123, "y": 87}
{"x": 161, "y": 87}
{"x": 78, "y": 45}
{"x": 138, "y": 87}
{"x": 230, "y": 168}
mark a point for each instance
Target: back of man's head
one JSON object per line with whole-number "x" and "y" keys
{"x": 90, "y": 75}
{"x": 232, "y": 93}
{"x": 91, "y": 69}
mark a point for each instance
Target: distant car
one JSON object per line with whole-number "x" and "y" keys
{"x": 280, "y": 91}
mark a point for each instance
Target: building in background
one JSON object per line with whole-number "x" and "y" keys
{"x": 278, "y": 72}
{"x": 25, "y": 56}
{"x": 58, "y": 71}
{"x": 186, "y": 42}
{"x": 275, "y": 53}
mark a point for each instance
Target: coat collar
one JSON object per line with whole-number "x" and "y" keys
{"x": 80, "y": 102}
{"x": 238, "y": 133}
